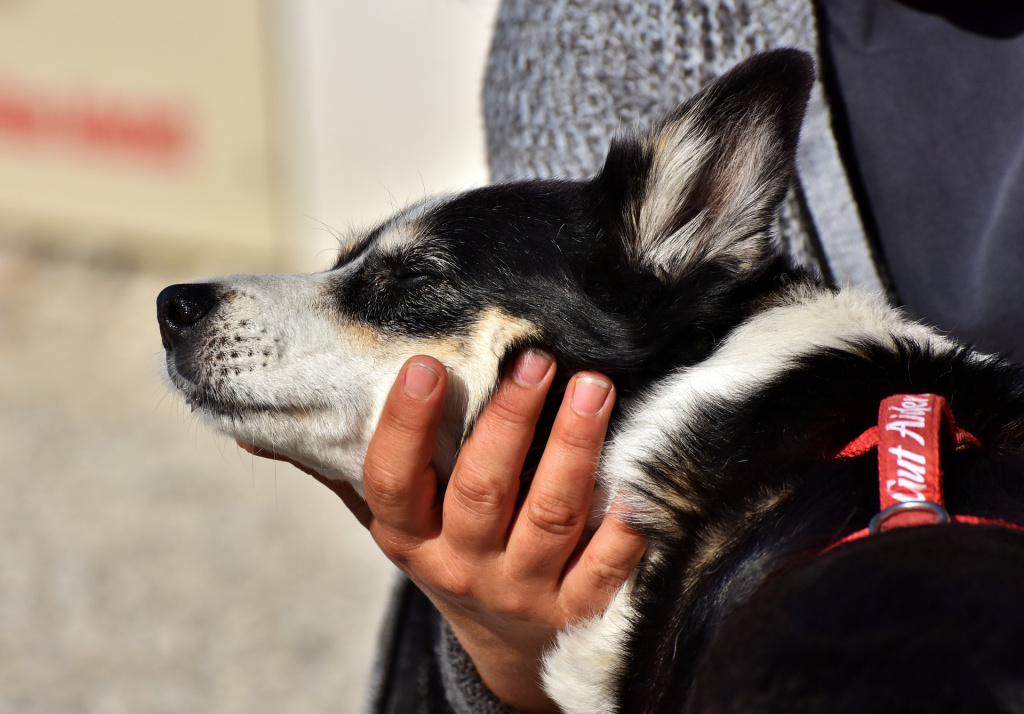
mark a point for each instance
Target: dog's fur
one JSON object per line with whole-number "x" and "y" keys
{"x": 739, "y": 378}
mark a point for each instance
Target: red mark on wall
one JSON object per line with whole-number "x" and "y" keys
{"x": 109, "y": 125}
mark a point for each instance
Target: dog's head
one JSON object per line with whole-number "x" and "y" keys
{"x": 633, "y": 272}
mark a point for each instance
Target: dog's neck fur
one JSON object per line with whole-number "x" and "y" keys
{"x": 741, "y": 487}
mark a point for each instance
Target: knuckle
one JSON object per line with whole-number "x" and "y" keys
{"x": 407, "y": 424}
{"x": 459, "y": 583}
{"x": 461, "y": 588}
{"x": 475, "y": 492}
{"x": 553, "y": 514}
{"x": 607, "y": 576}
{"x": 384, "y": 487}
{"x": 399, "y": 547}
{"x": 515, "y": 602}
{"x": 512, "y": 408}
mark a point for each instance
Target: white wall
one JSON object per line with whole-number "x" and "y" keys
{"x": 383, "y": 102}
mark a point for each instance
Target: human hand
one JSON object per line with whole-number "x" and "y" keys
{"x": 507, "y": 576}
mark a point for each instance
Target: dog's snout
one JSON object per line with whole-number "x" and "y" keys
{"x": 180, "y": 307}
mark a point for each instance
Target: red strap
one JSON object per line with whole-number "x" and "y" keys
{"x": 970, "y": 520}
{"x": 909, "y": 441}
{"x": 909, "y": 455}
{"x": 869, "y": 440}
{"x": 861, "y": 445}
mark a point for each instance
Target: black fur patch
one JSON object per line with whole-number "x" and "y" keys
{"x": 767, "y": 495}
{"x": 924, "y": 619}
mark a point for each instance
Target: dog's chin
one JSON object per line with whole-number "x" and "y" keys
{"x": 210, "y": 408}
{"x": 317, "y": 436}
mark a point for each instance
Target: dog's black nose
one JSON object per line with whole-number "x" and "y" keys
{"x": 179, "y": 307}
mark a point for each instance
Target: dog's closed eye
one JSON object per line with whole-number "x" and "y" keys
{"x": 409, "y": 277}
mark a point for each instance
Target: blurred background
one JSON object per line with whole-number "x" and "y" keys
{"x": 146, "y": 564}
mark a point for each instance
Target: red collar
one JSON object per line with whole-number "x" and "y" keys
{"x": 909, "y": 437}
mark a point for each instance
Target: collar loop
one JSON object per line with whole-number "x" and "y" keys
{"x": 909, "y": 436}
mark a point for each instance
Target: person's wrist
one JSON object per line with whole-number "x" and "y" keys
{"x": 511, "y": 671}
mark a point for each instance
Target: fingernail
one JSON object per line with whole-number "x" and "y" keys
{"x": 590, "y": 395}
{"x": 420, "y": 380}
{"x": 531, "y": 367}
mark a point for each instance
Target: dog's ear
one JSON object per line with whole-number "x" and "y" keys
{"x": 701, "y": 189}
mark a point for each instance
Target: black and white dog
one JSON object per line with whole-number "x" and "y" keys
{"x": 740, "y": 378}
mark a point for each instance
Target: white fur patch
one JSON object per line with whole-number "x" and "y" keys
{"x": 295, "y": 378}
{"x": 757, "y": 351}
{"x": 580, "y": 668}
{"x": 308, "y": 398}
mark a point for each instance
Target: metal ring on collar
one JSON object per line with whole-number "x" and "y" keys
{"x": 875, "y": 526}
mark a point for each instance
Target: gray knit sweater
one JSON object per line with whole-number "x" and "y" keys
{"x": 562, "y": 78}
{"x": 565, "y": 75}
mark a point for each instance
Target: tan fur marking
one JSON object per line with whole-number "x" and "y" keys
{"x": 472, "y": 360}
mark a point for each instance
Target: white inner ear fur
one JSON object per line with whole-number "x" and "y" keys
{"x": 726, "y": 228}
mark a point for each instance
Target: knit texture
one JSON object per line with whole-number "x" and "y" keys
{"x": 564, "y": 76}
{"x": 421, "y": 668}
{"x": 467, "y": 694}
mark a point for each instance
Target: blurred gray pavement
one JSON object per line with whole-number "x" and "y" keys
{"x": 146, "y": 564}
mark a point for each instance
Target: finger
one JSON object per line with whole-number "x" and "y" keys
{"x": 400, "y": 485}
{"x": 342, "y": 489}
{"x": 547, "y": 528}
{"x": 482, "y": 493}
{"x": 602, "y": 567}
